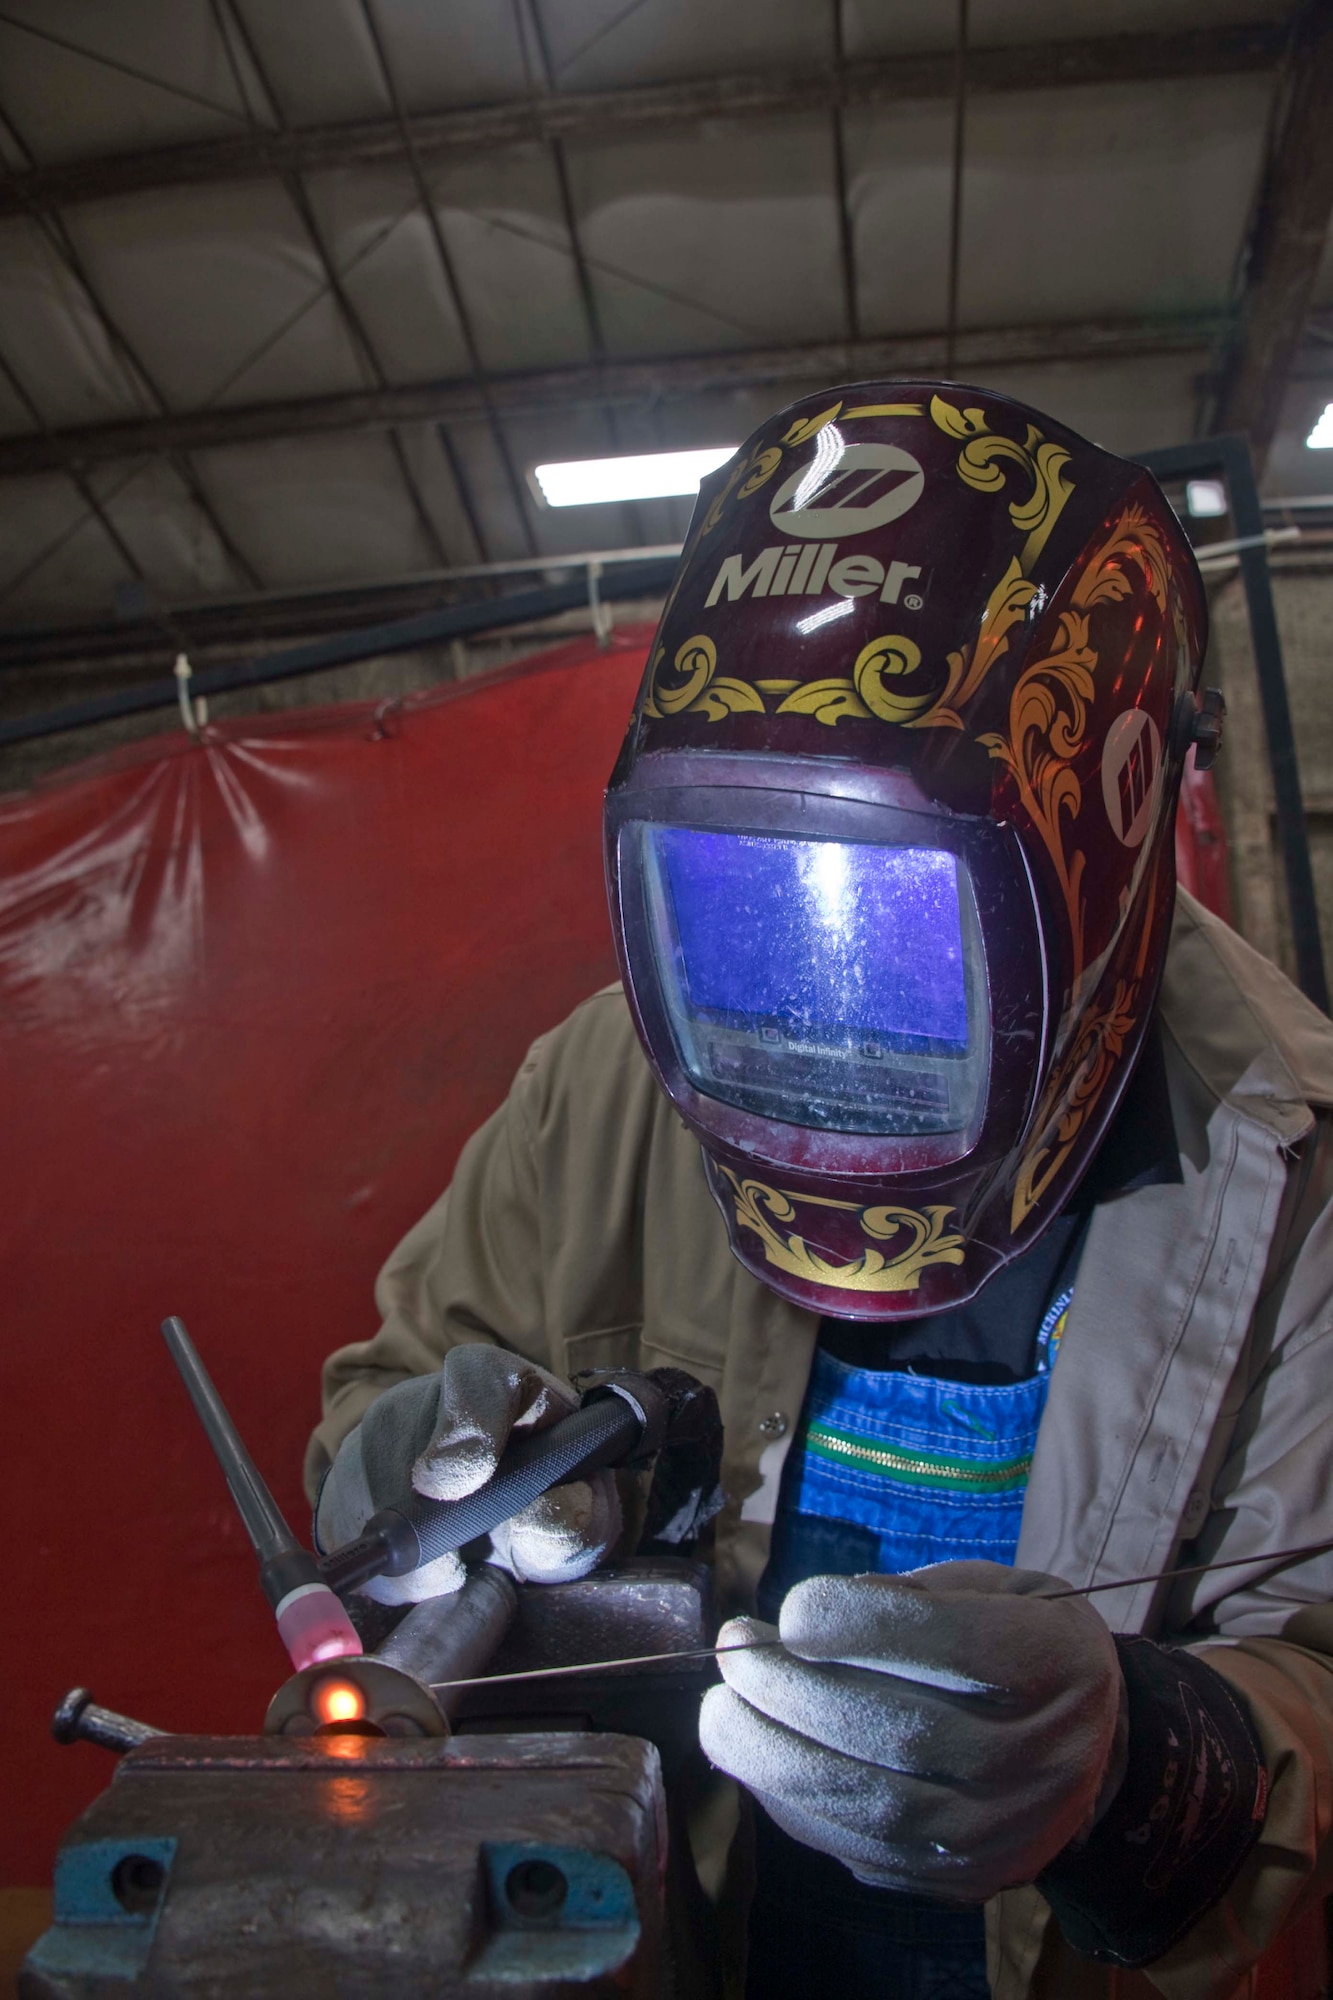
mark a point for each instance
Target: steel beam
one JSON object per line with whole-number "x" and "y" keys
{"x": 610, "y": 382}
{"x": 1287, "y": 239}
{"x": 604, "y": 114}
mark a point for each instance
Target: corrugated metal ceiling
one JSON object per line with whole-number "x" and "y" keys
{"x": 1105, "y": 201}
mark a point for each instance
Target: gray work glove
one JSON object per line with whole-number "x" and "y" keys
{"x": 443, "y": 1435}
{"x": 945, "y": 1733}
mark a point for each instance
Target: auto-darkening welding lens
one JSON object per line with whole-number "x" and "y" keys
{"x": 335, "y": 1701}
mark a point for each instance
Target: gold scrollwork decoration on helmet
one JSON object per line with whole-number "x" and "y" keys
{"x": 765, "y": 465}
{"x": 1006, "y": 607}
{"x": 918, "y": 1238}
{"x": 866, "y": 693}
{"x": 881, "y": 664}
{"x": 805, "y": 428}
{"x": 827, "y": 701}
{"x": 982, "y": 462}
{"x": 676, "y": 687}
{"x": 692, "y": 684}
{"x": 1050, "y": 702}
{"x": 1071, "y": 1095}
{"x": 1135, "y": 539}
{"x": 1048, "y": 713}
{"x": 1079, "y": 1078}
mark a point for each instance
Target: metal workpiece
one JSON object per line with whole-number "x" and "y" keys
{"x": 388, "y": 1692}
{"x": 289, "y": 1869}
{"x": 79, "y": 1719}
{"x": 641, "y": 1606}
{"x": 454, "y": 1637}
{"x": 357, "y": 1697}
{"x": 663, "y": 1605}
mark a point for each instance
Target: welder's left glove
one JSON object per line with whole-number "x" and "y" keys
{"x": 946, "y": 1732}
{"x": 443, "y": 1435}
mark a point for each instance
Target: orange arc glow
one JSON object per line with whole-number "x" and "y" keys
{"x": 338, "y": 1701}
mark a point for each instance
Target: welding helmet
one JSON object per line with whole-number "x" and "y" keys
{"x": 889, "y": 843}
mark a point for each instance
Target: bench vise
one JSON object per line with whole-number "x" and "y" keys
{"x": 514, "y": 1839}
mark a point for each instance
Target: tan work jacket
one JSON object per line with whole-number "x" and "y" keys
{"x": 1192, "y": 1403}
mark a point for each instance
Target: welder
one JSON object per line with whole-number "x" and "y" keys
{"x": 985, "y": 1177}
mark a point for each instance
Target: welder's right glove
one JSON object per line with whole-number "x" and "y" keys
{"x": 443, "y": 1435}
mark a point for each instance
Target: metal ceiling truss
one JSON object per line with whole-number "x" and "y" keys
{"x": 86, "y": 491}
{"x": 956, "y": 192}
{"x": 407, "y": 144}
{"x": 225, "y": 11}
{"x": 1224, "y": 50}
{"x": 582, "y": 270}
{"x": 58, "y": 238}
{"x": 642, "y": 384}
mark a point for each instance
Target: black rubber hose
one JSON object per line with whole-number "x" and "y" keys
{"x": 415, "y": 1530}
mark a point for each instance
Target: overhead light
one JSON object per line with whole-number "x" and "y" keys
{"x": 657, "y": 475}
{"x": 1321, "y": 437}
{"x": 1205, "y": 497}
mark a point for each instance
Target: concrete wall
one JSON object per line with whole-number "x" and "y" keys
{"x": 1304, "y": 600}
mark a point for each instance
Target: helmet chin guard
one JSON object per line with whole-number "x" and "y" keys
{"x": 889, "y": 843}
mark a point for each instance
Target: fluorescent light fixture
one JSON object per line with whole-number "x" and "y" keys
{"x": 1321, "y": 437}
{"x": 825, "y": 617}
{"x": 1205, "y": 497}
{"x": 658, "y": 475}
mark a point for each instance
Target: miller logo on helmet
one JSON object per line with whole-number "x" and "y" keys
{"x": 852, "y": 491}
{"x": 889, "y": 840}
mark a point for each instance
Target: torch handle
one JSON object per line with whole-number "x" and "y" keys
{"x": 415, "y": 1529}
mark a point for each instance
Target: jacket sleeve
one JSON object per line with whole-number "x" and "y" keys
{"x": 470, "y": 1270}
{"x": 1270, "y": 1633}
{"x": 1288, "y": 1691}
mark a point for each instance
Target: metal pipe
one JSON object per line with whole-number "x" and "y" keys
{"x": 455, "y": 621}
{"x": 459, "y": 573}
{"x": 452, "y": 1638}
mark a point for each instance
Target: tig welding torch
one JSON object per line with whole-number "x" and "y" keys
{"x": 312, "y": 1623}
{"x": 624, "y": 1418}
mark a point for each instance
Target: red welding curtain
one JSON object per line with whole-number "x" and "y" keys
{"x": 256, "y": 992}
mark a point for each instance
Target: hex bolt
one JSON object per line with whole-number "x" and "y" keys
{"x": 78, "y": 1719}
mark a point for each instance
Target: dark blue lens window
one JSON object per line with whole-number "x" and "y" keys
{"x": 820, "y": 938}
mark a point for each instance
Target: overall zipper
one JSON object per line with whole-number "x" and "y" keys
{"x": 922, "y": 1468}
